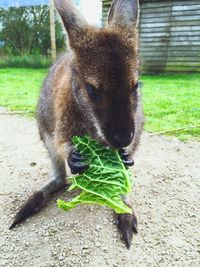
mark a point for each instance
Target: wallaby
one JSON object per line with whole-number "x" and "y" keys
{"x": 91, "y": 90}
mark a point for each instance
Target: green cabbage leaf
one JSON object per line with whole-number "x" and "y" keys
{"x": 104, "y": 182}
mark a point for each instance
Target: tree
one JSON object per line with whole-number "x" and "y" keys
{"x": 26, "y": 30}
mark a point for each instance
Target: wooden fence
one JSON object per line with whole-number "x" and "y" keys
{"x": 169, "y": 35}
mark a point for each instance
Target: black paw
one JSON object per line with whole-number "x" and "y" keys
{"x": 76, "y": 162}
{"x": 127, "y": 225}
{"x": 128, "y": 162}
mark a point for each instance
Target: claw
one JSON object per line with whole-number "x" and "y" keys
{"x": 76, "y": 163}
{"x": 78, "y": 167}
{"x": 77, "y": 157}
{"x": 127, "y": 224}
{"x": 124, "y": 153}
{"x": 126, "y": 157}
{"x": 128, "y": 162}
{"x": 76, "y": 152}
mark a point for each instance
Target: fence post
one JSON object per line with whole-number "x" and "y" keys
{"x": 52, "y": 29}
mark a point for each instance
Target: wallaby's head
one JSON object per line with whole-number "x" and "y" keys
{"x": 105, "y": 69}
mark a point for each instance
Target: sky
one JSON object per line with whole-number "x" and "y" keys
{"x": 91, "y": 9}
{"x": 17, "y": 3}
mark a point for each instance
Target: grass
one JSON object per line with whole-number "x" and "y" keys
{"x": 25, "y": 61}
{"x": 19, "y": 88}
{"x": 170, "y": 101}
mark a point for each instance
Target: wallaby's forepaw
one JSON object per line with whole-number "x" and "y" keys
{"x": 127, "y": 224}
{"x": 31, "y": 206}
{"x": 76, "y": 162}
{"x": 128, "y": 162}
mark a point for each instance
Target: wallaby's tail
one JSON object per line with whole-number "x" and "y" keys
{"x": 31, "y": 206}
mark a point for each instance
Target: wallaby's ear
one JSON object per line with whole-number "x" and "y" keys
{"x": 73, "y": 21}
{"x": 124, "y": 14}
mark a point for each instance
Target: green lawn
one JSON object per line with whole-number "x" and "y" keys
{"x": 170, "y": 101}
{"x": 19, "y": 88}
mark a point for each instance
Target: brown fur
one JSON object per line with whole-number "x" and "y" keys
{"x": 107, "y": 59}
{"x": 114, "y": 71}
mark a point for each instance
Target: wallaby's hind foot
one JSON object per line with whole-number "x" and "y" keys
{"x": 37, "y": 201}
{"x": 127, "y": 225}
{"x": 33, "y": 204}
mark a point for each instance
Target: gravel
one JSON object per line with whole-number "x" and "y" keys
{"x": 166, "y": 194}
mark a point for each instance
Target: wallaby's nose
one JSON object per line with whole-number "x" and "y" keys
{"x": 122, "y": 139}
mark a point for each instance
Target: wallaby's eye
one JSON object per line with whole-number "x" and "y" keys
{"x": 93, "y": 93}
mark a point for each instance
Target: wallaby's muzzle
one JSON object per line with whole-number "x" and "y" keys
{"x": 121, "y": 140}
{"x": 120, "y": 137}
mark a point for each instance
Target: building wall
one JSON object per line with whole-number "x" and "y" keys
{"x": 169, "y": 35}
